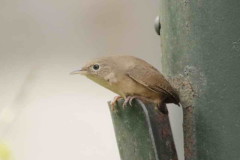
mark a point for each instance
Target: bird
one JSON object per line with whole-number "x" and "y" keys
{"x": 131, "y": 78}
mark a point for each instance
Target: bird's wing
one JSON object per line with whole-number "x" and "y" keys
{"x": 153, "y": 80}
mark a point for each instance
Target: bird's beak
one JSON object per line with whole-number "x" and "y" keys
{"x": 81, "y": 71}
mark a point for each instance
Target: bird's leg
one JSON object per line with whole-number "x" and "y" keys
{"x": 114, "y": 101}
{"x": 126, "y": 101}
{"x": 129, "y": 100}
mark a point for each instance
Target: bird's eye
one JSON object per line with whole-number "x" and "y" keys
{"x": 96, "y": 67}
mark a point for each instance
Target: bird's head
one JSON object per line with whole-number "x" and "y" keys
{"x": 96, "y": 69}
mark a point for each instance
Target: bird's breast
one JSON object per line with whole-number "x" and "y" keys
{"x": 125, "y": 86}
{"x": 128, "y": 87}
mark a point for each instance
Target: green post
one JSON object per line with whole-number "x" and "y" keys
{"x": 142, "y": 132}
{"x": 201, "y": 47}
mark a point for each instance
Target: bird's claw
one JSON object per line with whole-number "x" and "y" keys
{"x": 114, "y": 101}
{"x": 131, "y": 99}
{"x": 128, "y": 100}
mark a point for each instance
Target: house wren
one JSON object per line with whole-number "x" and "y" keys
{"x": 131, "y": 77}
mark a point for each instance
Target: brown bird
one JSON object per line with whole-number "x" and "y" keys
{"x": 131, "y": 77}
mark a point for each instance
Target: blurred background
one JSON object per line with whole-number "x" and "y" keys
{"x": 45, "y": 113}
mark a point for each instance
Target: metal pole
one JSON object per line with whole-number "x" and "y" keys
{"x": 201, "y": 46}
